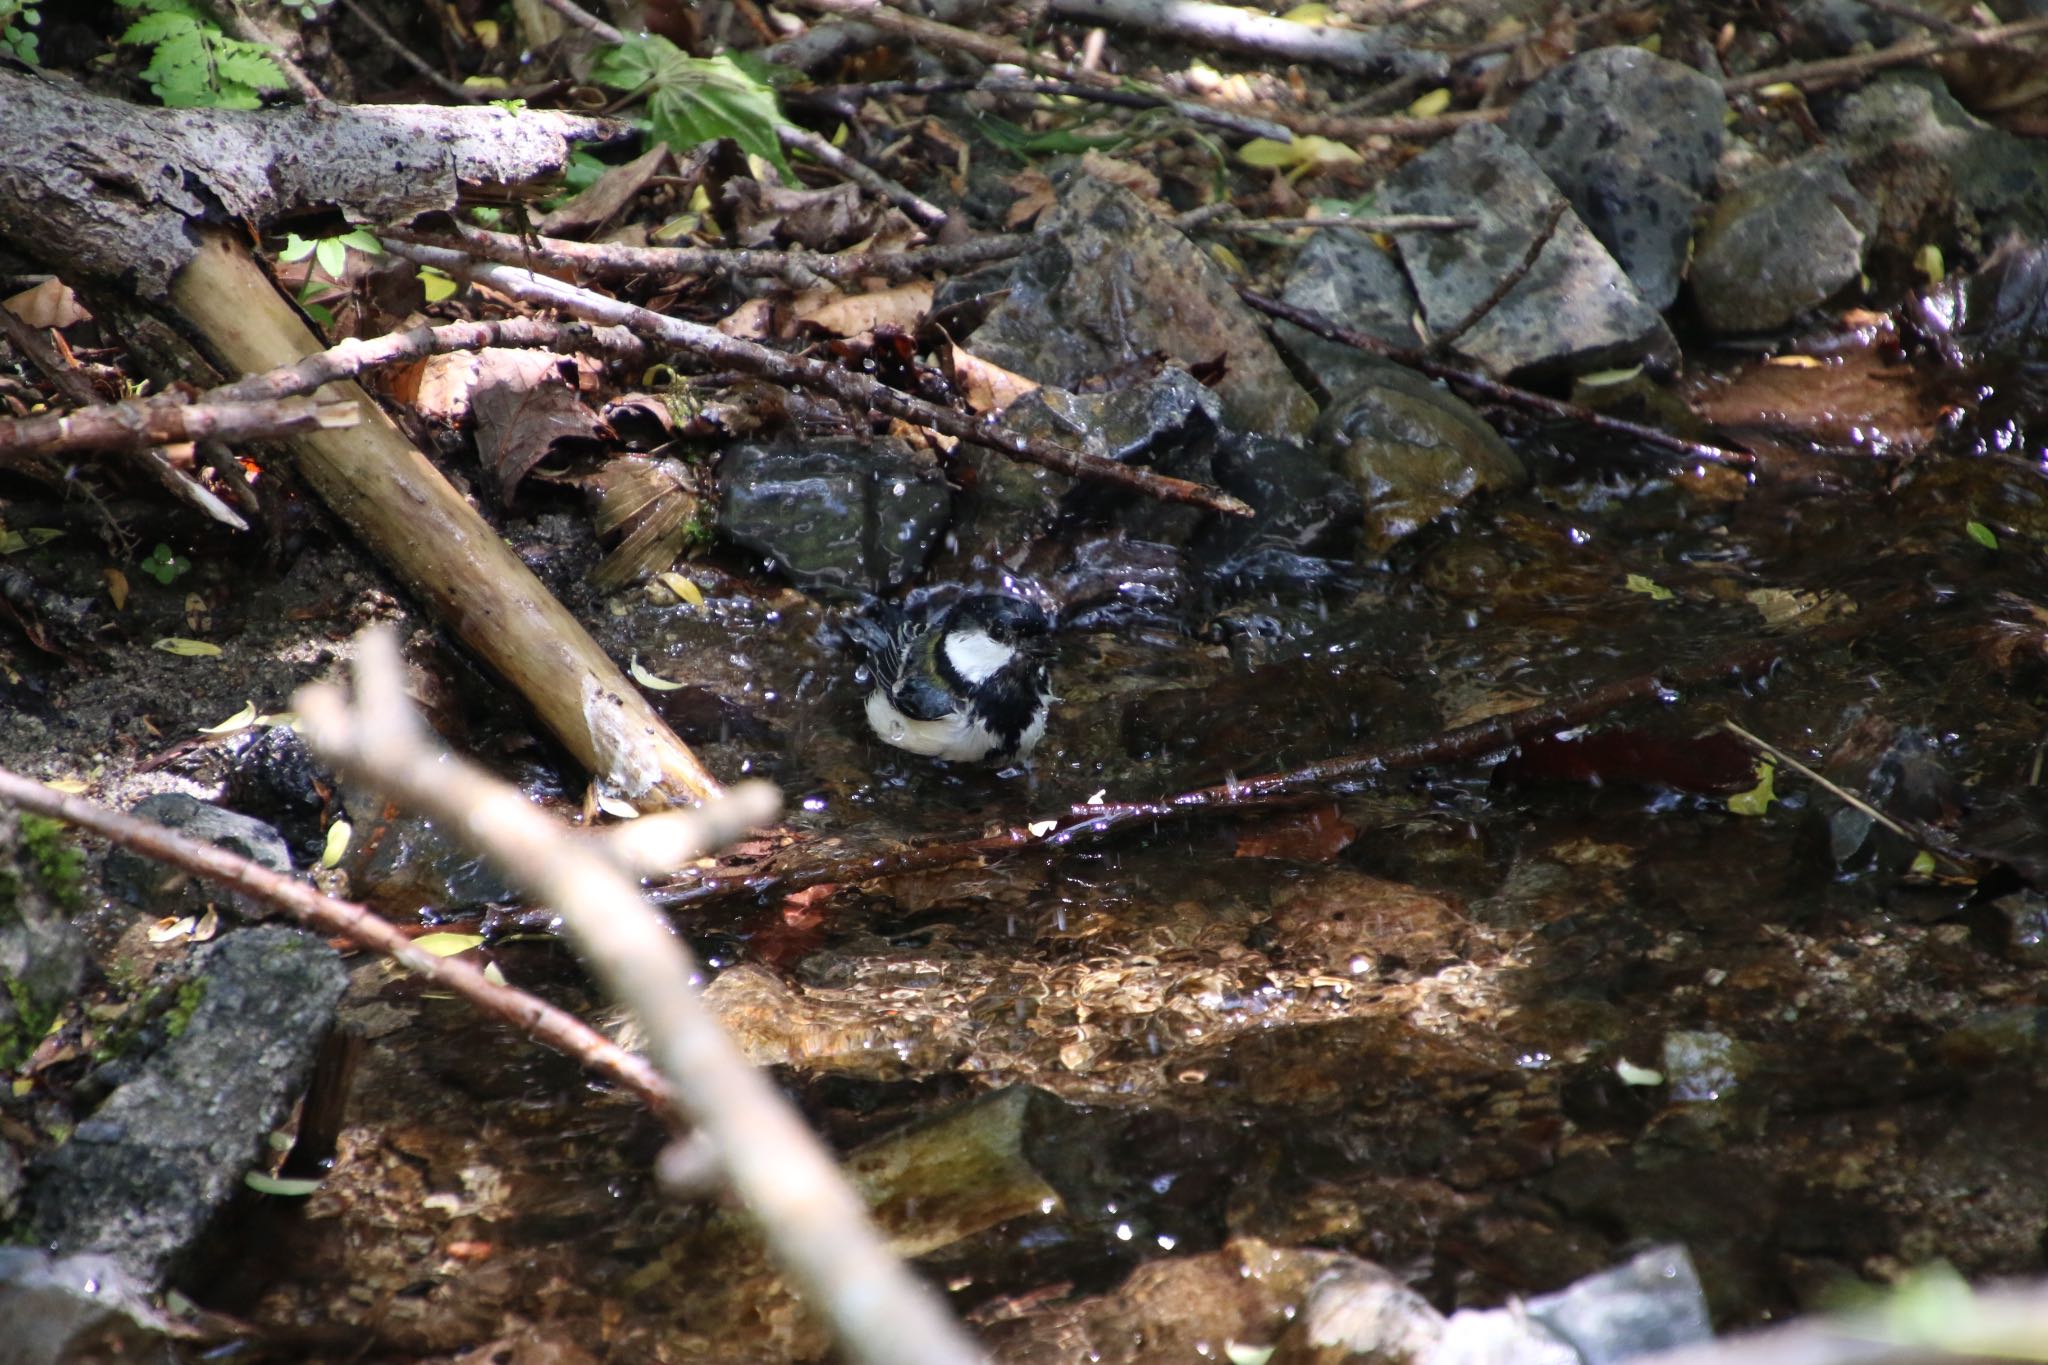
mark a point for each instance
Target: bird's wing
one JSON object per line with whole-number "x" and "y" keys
{"x": 914, "y": 685}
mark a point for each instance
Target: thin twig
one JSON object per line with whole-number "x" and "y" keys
{"x": 454, "y": 89}
{"x": 1849, "y": 798}
{"x": 585, "y": 20}
{"x": 920, "y": 211}
{"x": 137, "y": 428}
{"x": 851, "y": 388}
{"x": 1442, "y": 343}
{"x": 1316, "y": 782}
{"x": 1238, "y": 125}
{"x": 1392, "y": 222}
{"x": 802, "y": 268}
{"x": 1812, "y": 75}
{"x": 815, "y": 1224}
{"x": 537, "y": 1019}
{"x": 1508, "y": 394}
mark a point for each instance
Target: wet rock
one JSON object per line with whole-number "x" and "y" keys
{"x": 1574, "y": 311}
{"x": 1305, "y": 515}
{"x": 1413, "y": 451}
{"x": 143, "y": 1177}
{"x": 1166, "y": 421}
{"x": 1107, "y": 579}
{"x": 157, "y": 890}
{"x": 1356, "y": 1312}
{"x": 827, "y": 1031}
{"x": 1632, "y": 140}
{"x": 1997, "y": 181}
{"x": 42, "y": 956}
{"x": 1349, "y": 279}
{"x": 1653, "y": 1303}
{"x": 1999, "y": 310}
{"x": 55, "y": 1310}
{"x": 841, "y": 517}
{"x": 1114, "y": 282}
{"x": 1785, "y": 241}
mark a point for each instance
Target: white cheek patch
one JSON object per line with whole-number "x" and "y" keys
{"x": 975, "y": 656}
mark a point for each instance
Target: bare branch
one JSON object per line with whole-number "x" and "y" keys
{"x": 814, "y": 1222}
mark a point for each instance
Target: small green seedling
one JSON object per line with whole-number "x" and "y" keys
{"x": 164, "y": 566}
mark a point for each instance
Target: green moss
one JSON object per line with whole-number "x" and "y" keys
{"x": 189, "y": 997}
{"x": 18, "y": 1038}
{"x": 59, "y": 865}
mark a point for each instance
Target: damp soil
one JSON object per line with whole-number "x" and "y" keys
{"x": 1491, "y": 1026}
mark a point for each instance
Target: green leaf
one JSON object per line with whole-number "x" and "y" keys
{"x": 1650, "y": 588}
{"x": 247, "y": 64}
{"x": 363, "y": 240}
{"x": 296, "y": 248}
{"x": 1982, "y": 534}
{"x": 155, "y": 28}
{"x": 436, "y": 284}
{"x": 692, "y": 100}
{"x": 264, "y": 1183}
{"x": 331, "y": 256}
{"x": 1757, "y": 799}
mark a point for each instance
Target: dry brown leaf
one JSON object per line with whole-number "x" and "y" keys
{"x": 1035, "y": 196}
{"x": 754, "y": 320}
{"x": 987, "y": 388}
{"x": 849, "y": 315}
{"x": 1128, "y": 174}
{"x": 49, "y": 304}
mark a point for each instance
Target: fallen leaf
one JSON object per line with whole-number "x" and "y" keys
{"x": 49, "y": 304}
{"x": 241, "y": 720}
{"x": 188, "y": 649}
{"x": 903, "y": 306}
{"x": 987, "y": 387}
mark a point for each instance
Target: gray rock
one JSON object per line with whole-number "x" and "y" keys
{"x": 42, "y": 956}
{"x": 1305, "y": 514}
{"x": 1653, "y": 1303}
{"x": 1112, "y": 283}
{"x": 1574, "y": 311}
{"x": 1632, "y": 140}
{"x": 1166, "y": 421}
{"x": 1999, "y": 180}
{"x": 155, "y": 889}
{"x": 1413, "y": 451}
{"x": 1347, "y": 278}
{"x": 143, "y": 1177}
{"x": 59, "y": 1311}
{"x": 1785, "y": 241}
{"x": 842, "y": 518}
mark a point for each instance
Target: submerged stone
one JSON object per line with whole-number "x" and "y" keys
{"x": 1414, "y": 451}
{"x": 840, "y": 517}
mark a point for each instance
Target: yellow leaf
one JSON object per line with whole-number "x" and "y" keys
{"x": 288, "y": 719}
{"x": 1431, "y": 104}
{"x": 338, "y": 835}
{"x": 618, "y": 809}
{"x": 445, "y": 944}
{"x": 241, "y": 720}
{"x": 1313, "y": 13}
{"x": 70, "y": 786}
{"x": 1757, "y": 799}
{"x": 493, "y": 975}
{"x": 188, "y": 649}
{"x": 646, "y": 679}
{"x": 1601, "y": 379}
{"x": 1927, "y": 260}
{"x": 117, "y": 587}
{"x": 1038, "y": 829}
{"x": 171, "y": 927}
{"x": 1783, "y": 90}
{"x": 1264, "y": 151}
{"x": 487, "y": 33}
{"x": 683, "y": 586}
{"x": 1649, "y": 588}
{"x": 1226, "y": 258}
{"x": 1797, "y": 362}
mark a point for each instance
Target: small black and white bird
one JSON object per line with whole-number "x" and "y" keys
{"x": 969, "y": 683}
